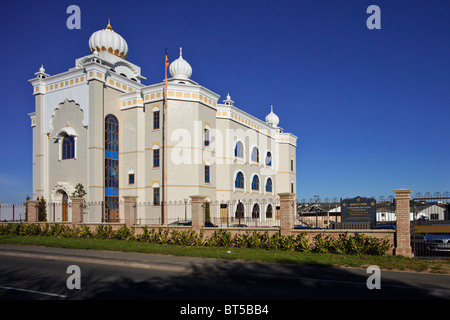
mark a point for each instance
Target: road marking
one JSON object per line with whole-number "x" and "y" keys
{"x": 33, "y": 291}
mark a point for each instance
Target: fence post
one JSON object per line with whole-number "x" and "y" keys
{"x": 402, "y": 212}
{"x": 32, "y": 211}
{"x": 77, "y": 210}
{"x": 287, "y": 212}
{"x": 198, "y": 212}
{"x": 130, "y": 210}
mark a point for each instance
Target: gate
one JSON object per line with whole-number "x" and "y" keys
{"x": 431, "y": 225}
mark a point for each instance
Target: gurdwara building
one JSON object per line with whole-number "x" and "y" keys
{"x": 98, "y": 125}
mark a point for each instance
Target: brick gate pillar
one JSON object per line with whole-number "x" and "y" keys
{"x": 287, "y": 212}
{"x": 32, "y": 211}
{"x": 198, "y": 212}
{"x": 77, "y": 210}
{"x": 402, "y": 212}
{"x": 130, "y": 210}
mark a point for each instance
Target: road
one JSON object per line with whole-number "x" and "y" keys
{"x": 38, "y": 273}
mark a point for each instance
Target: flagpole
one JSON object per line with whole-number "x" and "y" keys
{"x": 164, "y": 142}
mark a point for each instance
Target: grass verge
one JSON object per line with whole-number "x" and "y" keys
{"x": 269, "y": 256}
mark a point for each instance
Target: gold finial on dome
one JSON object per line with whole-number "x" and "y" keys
{"x": 108, "y": 27}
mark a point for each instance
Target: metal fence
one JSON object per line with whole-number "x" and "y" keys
{"x": 12, "y": 212}
{"x": 430, "y": 215}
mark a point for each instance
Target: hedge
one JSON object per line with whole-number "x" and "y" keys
{"x": 358, "y": 244}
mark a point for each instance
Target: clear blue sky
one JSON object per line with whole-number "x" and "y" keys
{"x": 370, "y": 107}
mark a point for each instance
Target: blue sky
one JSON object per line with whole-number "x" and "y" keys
{"x": 370, "y": 107}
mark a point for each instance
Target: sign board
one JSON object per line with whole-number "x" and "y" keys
{"x": 359, "y": 210}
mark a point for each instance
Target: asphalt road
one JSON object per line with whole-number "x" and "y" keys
{"x": 37, "y": 273}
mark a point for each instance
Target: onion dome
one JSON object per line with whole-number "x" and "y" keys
{"x": 272, "y": 119}
{"x": 180, "y": 68}
{"x": 108, "y": 40}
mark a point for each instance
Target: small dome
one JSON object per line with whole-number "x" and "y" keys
{"x": 180, "y": 68}
{"x": 272, "y": 119}
{"x": 108, "y": 40}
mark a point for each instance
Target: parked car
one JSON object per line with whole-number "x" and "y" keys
{"x": 182, "y": 223}
{"x": 437, "y": 242}
{"x": 302, "y": 227}
{"x": 386, "y": 226}
{"x": 237, "y": 225}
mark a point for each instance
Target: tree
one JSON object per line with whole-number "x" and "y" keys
{"x": 26, "y": 207}
{"x": 42, "y": 209}
{"x": 79, "y": 191}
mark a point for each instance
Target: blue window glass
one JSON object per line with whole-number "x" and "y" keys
{"x": 239, "y": 150}
{"x": 255, "y": 183}
{"x": 111, "y": 168}
{"x": 68, "y": 147}
{"x": 156, "y": 199}
{"x": 255, "y": 155}
{"x": 269, "y": 159}
{"x": 207, "y": 174}
{"x": 155, "y": 158}
{"x": 269, "y": 185}
{"x": 239, "y": 182}
{"x": 156, "y": 120}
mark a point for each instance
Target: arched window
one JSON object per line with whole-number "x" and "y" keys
{"x": 268, "y": 159}
{"x": 111, "y": 169}
{"x": 68, "y": 147}
{"x": 269, "y": 211}
{"x": 239, "y": 150}
{"x": 206, "y": 136}
{"x": 255, "y": 211}
{"x": 111, "y": 133}
{"x": 255, "y": 183}
{"x": 269, "y": 185}
{"x": 255, "y": 155}
{"x": 239, "y": 182}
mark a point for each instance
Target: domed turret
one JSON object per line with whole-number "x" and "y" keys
{"x": 272, "y": 119}
{"x": 180, "y": 68}
{"x": 108, "y": 40}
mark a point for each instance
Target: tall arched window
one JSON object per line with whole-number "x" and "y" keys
{"x": 111, "y": 169}
{"x": 239, "y": 182}
{"x": 269, "y": 211}
{"x": 68, "y": 147}
{"x": 255, "y": 155}
{"x": 268, "y": 159}
{"x": 255, "y": 183}
{"x": 255, "y": 211}
{"x": 239, "y": 150}
{"x": 269, "y": 185}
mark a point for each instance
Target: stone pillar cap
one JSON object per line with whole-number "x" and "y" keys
{"x": 403, "y": 191}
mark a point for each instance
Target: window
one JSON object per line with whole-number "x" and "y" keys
{"x": 155, "y": 158}
{"x": 268, "y": 159}
{"x": 255, "y": 211}
{"x": 131, "y": 178}
{"x": 206, "y": 137}
{"x": 111, "y": 133}
{"x": 239, "y": 182}
{"x": 292, "y": 187}
{"x": 292, "y": 164}
{"x": 68, "y": 147}
{"x": 255, "y": 183}
{"x": 207, "y": 174}
{"x": 255, "y": 155}
{"x": 156, "y": 120}
{"x": 269, "y": 211}
{"x": 269, "y": 185}
{"x": 111, "y": 168}
{"x": 156, "y": 199}
{"x": 239, "y": 150}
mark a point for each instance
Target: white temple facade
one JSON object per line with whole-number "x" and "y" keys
{"x": 97, "y": 124}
